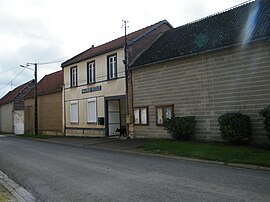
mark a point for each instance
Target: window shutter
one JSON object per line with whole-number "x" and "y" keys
{"x": 74, "y": 112}
{"x": 91, "y": 110}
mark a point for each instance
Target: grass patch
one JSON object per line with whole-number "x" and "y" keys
{"x": 210, "y": 151}
{"x": 39, "y": 136}
{"x": 4, "y": 194}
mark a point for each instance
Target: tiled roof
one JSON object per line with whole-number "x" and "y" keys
{"x": 112, "y": 45}
{"x": 50, "y": 83}
{"x": 12, "y": 94}
{"x": 242, "y": 24}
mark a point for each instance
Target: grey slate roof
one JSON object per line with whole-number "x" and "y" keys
{"x": 242, "y": 24}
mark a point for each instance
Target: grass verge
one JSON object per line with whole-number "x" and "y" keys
{"x": 210, "y": 151}
{"x": 4, "y": 194}
{"x": 39, "y": 136}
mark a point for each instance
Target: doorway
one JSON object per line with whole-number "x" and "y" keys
{"x": 19, "y": 123}
{"x": 115, "y": 114}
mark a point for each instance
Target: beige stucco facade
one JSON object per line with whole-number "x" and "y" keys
{"x": 107, "y": 89}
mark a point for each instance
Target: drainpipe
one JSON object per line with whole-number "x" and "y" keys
{"x": 64, "y": 109}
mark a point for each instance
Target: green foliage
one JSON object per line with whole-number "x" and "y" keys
{"x": 181, "y": 128}
{"x": 4, "y": 194}
{"x": 265, "y": 113}
{"x": 209, "y": 151}
{"x": 235, "y": 127}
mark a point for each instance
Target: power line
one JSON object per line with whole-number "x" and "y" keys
{"x": 53, "y": 62}
{"x": 13, "y": 79}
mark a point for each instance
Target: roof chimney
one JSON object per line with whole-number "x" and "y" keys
{"x": 93, "y": 46}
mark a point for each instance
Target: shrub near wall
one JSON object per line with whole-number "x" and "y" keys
{"x": 181, "y": 128}
{"x": 265, "y": 113}
{"x": 235, "y": 127}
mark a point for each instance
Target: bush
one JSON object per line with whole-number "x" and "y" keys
{"x": 265, "y": 113}
{"x": 235, "y": 127}
{"x": 181, "y": 128}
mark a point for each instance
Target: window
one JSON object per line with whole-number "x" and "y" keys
{"x": 74, "y": 112}
{"x": 163, "y": 113}
{"x": 112, "y": 67}
{"x": 141, "y": 116}
{"x": 91, "y": 77}
{"x": 73, "y": 77}
{"x": 91, "y": 110}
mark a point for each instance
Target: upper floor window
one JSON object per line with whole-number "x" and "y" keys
{"x": 73, "y": 77}
{"x": 112, "y": 67}
{"x": 91, "y": 78}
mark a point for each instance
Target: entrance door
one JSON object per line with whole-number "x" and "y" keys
{"x": 114, "y": 120}
{"x": 18, "y": 123}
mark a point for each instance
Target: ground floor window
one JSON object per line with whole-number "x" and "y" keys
{"x": 92, "y": 110}
{"x": 74, "y": 112}
{"x": 163, "y": 113}
{"x": 141, "y": 115}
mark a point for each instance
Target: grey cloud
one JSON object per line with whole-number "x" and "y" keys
{"x": 39, "y": 47}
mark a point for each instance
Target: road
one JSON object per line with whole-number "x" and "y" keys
{"x": 55, "y": 172}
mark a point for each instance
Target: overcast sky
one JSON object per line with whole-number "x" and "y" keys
{"x": 51, "y": 30}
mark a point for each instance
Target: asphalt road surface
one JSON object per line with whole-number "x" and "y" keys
{"x": 54, "y": 172}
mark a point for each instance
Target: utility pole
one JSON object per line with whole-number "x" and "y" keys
{"x": 35, "y": 93}
{"x": 126, "y": 76}
{"x": 36, "y": 102}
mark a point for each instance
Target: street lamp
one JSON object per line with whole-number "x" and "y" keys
{"x": 35, "y": 95}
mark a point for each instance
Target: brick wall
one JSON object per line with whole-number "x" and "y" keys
{"x": 206, "y": 86}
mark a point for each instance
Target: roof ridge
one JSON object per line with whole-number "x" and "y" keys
{"x": 160, "y": 22}
{"x": 23, "y": 86}
{"x": 218, "y": 31}
{"x": 54, "y": 72}
{"x": 154, "y": 26}
{"x": 119, "y": 38}
{"x": 48, "y": 75}
{"x": 219, "y": 12}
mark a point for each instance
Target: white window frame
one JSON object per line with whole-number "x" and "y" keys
{"x": 90, "y": 111}
{"x": 164, "y": 112}
{"x": 140, "y": 115}
{"x": 74, "y": 114}
{"x": 74, "y": 76}
{"x": 91, "y": 72}
{"x": 112, "y": 67}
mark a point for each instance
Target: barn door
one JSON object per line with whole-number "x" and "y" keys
{"x": 18, "y": 123}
